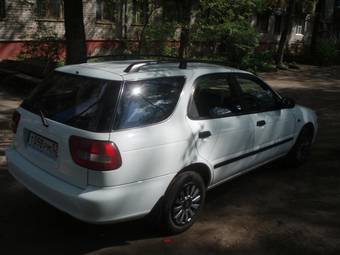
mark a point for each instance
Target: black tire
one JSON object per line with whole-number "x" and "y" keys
{"x": 183, "y": 202}
{"x": 301, "y": 150}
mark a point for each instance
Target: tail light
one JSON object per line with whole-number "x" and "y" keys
{"x": 94, "y": 154}
{"x": 15, "y": 121}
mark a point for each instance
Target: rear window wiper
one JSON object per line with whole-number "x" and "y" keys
{"x": 43, "y": 119}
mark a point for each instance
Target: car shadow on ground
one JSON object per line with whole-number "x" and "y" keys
{"x": 34, "y": 227}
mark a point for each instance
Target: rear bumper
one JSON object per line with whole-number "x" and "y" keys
{"x": 93, "y": 204}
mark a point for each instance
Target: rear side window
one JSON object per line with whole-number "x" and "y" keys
{"x": 78, "y": 101}
{"x": 148, "y": 101}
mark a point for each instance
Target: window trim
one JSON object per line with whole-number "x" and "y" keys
{"x": 123, "y": 87}
{"x": 195, "y": 84}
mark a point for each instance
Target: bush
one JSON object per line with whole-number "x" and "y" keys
{"x": 45, "y": 46}
{"x": 326, "y": 52}
{"x": 262, "y": 61}
{"x": 46, "y": 49}
{"x": 156, "y": 39}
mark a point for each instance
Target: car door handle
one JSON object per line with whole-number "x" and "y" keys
{"x": 204, "y": 134}
{"x": 260, "y": 123}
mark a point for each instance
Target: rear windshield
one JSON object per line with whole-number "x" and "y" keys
{"x": 81, "y": 102}
{"x": 148, "y": 101}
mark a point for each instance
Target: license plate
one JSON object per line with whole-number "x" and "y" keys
{"x": 43, "y": 145}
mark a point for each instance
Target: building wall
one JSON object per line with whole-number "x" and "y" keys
{"x": 21, "y": 25}
{"x": 300, "y": 34}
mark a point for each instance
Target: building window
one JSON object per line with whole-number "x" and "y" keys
{"x": 299, "y": 27}
{"x": 337, "y": 4}
{"x": 140, "y": 10}
{"x": 49, "y": 9}
{"x": 278, "y": 23}
{"x": 263, "y": 22}
{"x": 106, "y": 10}
{"x": 2, "y": 9}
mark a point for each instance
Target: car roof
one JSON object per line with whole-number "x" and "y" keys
{"x": 115, "y": 70}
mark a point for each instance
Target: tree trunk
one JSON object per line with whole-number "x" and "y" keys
{"x": 317, "y": 20}
{"x": 183, "y": 42}
{"x": 74, "y": 32}
{"x": 185, "y": 31}
{"x": 287, "y": 29}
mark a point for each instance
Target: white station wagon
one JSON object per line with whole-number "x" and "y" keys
{"x": 112, "y": 141}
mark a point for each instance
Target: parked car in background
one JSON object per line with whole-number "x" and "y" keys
{"x": 112, "y": 141}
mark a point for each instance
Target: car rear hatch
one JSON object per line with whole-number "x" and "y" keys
{"x": 65, "y": 105}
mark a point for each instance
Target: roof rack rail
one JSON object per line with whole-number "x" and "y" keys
{"x": 131, "y": 56}
{"x": 158, "y": 59}
{"x": 135, "y": 67}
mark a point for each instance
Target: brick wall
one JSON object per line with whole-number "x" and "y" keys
{"x": 21, "y": 24}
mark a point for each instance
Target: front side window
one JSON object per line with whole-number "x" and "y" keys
{"x": 2, "y": 9}
{"x": 148, "y": 101}
{"x": 49, "y": 9}
{"x": 214, "y": 97}
{"x": 106, "y": 10}
{"x": 256, "y": 96}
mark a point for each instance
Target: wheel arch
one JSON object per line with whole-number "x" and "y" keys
{"x": 309, "y": 127}
{"x": 202, "y": 169}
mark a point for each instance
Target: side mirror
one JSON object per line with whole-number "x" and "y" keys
{"x": 287, "y": 102}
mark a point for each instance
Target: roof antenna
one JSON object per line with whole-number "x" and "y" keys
{"x": 182, "y": 64}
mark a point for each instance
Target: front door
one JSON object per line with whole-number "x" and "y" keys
{"x": 273, "y": 125}
{"x": 222, "y": 133}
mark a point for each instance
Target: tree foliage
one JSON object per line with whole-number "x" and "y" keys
{"x": 226, "y": 25}
{"x": 292, "y": 9}
{"x": 302, "y": 6}
{"x": 218, "y": 29}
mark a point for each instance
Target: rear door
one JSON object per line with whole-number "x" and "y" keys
{"x": 223, "y": 133}
{"x": 63, "y": 106}
{"x": 274, "y": 126}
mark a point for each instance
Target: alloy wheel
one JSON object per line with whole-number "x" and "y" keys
{"x": 186, "y": 204}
